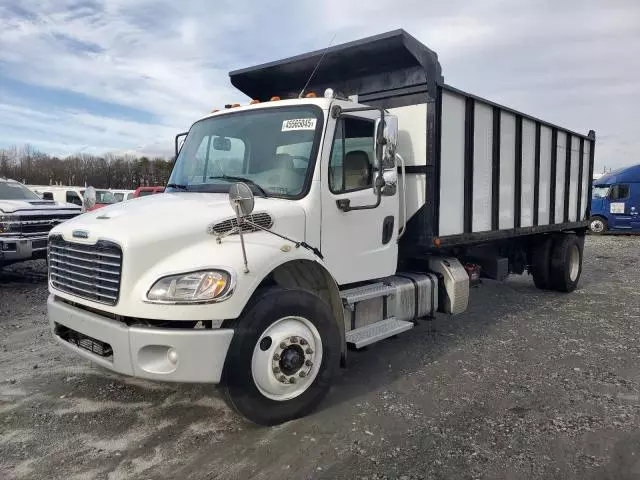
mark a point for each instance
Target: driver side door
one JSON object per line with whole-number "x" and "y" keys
{"x": 359, "y": 244}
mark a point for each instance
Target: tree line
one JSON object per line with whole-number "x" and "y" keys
{"x": 31, "y": 166}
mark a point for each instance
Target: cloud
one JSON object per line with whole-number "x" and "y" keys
{"x": 129, "y": 74}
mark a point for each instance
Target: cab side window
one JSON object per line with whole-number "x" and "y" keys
{"x": 352, "y": 155}
{"x": 73, "y": 197}
{"x": 619, "y": 192}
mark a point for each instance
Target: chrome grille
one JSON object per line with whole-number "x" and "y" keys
{"x": 27, "y": 225}
{"x": 261, "y": 219}
{"x": 87, "y": 271}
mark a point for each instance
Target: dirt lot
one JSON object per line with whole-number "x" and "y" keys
{"x": 527, "y": 384}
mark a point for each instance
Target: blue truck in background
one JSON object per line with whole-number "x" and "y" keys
{"x": 615, "y": 201}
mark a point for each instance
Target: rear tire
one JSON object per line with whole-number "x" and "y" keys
{"x": 283, "y": 358}
{"x": 598, "y": 225}
{"x": 541, "y": 263}
{"x": 566, "y": 262}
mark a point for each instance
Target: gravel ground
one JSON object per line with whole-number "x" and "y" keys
{"x": 527, "y": 384}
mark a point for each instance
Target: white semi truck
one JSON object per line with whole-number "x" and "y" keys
{"x": 336, "y": 209}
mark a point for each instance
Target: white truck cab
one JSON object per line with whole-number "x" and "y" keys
{"x": 291, "y": 228}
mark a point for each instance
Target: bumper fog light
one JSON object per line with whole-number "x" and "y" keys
{"x": 172, "y": 356}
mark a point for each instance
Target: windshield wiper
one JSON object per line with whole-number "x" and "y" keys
{"x": 232, "y": 178}
{"x": 178, "y": 186}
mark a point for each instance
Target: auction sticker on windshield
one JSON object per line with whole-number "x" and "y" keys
{"x": 299, "y": 124}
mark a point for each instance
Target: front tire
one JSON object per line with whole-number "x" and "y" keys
{"x": 566, "y": 262}
{"x": 598, "y": 225}
{"x": 283, "y": 357}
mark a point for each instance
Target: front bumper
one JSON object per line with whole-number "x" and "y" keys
{"x": 17, "y": 249}
{"x": 175, "y": 355}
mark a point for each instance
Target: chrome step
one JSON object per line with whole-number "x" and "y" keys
{"x": 366, "y": 292}
{"x": 363, "y": 336}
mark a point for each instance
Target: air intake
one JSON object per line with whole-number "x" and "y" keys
{"x": 261, "y": 219}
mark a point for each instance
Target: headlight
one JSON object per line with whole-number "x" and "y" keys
{"x": 194, "y": 287}
{"x": 7, "y": 224}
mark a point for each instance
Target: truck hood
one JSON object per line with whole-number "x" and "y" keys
{"x": 172, "y": 221}
{"x": 13, "y": 206}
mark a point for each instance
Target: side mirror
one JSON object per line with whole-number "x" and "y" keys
{"x": 386, "y": 144}
{"x": 89, "y": 198}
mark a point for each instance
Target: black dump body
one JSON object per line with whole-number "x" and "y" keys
{"x": 393, "y": 70}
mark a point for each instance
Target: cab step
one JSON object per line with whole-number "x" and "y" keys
{"x": 366, "y": 292}
{"x": 363, "y": 336}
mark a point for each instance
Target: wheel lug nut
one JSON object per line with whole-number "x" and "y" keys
{"x": 282, "y": 378}
{"x": 283, "y": 345}
{"x": 293, "y": 339}
{"x": 308, "y": 351}
{"x": 308, "y": 363}
{"x": 276, "y": 369}
{"x": 303, "y": 342}
{"x": 292, "y": 380}
{"x": 276, "y": 357}
{"x": 303, "y": 374}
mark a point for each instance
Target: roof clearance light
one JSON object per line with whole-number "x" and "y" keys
{"x": 329, "y": 93}
{"x": 310, "y": 95}
{"x": 253, "y": 102}
{"x": 215, "y": 110}
{"x": 235, "y": 105}
{"x": 275, "y": 99}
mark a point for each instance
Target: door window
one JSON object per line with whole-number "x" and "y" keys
{"x": 352, "y": 155}
{"x": 73, "y": 197}
{"x": 619, "y": 192}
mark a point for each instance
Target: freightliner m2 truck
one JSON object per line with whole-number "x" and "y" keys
{"x": 336, "y": 210}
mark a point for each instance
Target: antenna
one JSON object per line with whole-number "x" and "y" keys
{"x": 316, "y": 68}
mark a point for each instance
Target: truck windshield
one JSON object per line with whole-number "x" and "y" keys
{"x": 600, "y": 192}
{"x": 16, "y": 191}
{"x": 273, "y": 149}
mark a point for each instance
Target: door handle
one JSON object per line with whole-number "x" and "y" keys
{"x": 344, "y": 204}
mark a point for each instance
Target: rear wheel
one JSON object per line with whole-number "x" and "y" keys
{"x": 541, "y": 263}
{"x": 598, "y": 225}
{"x": 283, "y": 357}
{"x": 566, "y": 262}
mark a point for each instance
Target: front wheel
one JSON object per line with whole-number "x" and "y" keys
{"x": 598, "y": 225}
{"x": 283, "y": 357}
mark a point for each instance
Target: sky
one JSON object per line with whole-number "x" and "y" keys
{"x": 93, "y": 76}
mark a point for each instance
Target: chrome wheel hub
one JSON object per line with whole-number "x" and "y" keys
{"x": 286, "y": 358}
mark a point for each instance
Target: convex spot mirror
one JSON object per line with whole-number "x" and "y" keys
{"x": 241, "y": 199}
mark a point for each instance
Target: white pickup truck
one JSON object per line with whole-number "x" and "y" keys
{"x": 25, "y": 222}
{"x": 315, "y": 219}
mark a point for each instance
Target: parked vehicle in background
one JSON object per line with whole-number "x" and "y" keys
{"x": 122, "y": 195}
{"x": 305, "y": 222}
{"x": 144, "y": 191}
{"x": 615, "y": 202}
{"x": 25, "y": 222}
{"x": 74, "y": 195}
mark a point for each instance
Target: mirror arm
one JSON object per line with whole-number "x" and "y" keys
{"x": 177, "y": 150}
